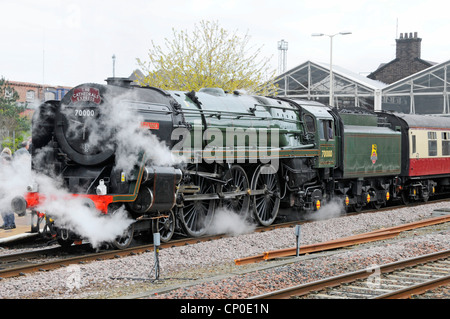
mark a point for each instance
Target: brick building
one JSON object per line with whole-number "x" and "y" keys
{"x": 33, "y": 94}
{"x": 406, "y": 62}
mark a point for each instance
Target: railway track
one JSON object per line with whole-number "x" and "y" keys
{"x": 22, "y": 263}
{"x": 127, "y": 261}
{"x": 400, "y": 279}
{"x": 381, "y": 234}
{"x": 26, "y": 255}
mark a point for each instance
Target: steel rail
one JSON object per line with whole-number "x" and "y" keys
{"x": 4, "y": 273}
{"x": 45, "y": 266}
{"x": 303, "y": 289}
{"x": 29, "y": 254}
{"x": 381, "y": 234}
{"x": 413, "y": 225}
{"x": 328, "y": 245}
{"x": 415, "y": 289}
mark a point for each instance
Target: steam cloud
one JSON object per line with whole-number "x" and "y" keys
{"x": 15, "y": 176}
{"x": 72, "y": 213}
{"x": 68, "y": 211}
{"x": 122, "y": 125}
{"x": 228, "y": 222}
{"x": 330, "y": 210}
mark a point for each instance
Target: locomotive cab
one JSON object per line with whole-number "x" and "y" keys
{"x": 320, "y": 128}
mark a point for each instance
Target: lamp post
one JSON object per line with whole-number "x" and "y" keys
{"x": 331, "y": 60}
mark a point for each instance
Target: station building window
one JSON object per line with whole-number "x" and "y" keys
{"x": 31, "y": 95}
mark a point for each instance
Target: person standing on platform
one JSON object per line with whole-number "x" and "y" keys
{"x": 7, "y": 214}
{"x": 24, "y": 149}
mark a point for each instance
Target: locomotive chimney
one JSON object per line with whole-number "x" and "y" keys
{"x": 122, "y": 82}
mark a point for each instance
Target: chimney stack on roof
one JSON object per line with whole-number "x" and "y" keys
{"x": 408, "y": 46}
{"x": 406, "y": 62}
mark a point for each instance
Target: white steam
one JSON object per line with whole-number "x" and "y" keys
{"x": 68, "y": 211}
{"x": 15, "y": 176}
{"x": 330, "y": 210}
{"x": 228, "y": 222}
{"x": 121, "y": 126}
{"x": 72, "y": 213}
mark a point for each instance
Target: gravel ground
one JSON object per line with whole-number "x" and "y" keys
{"x": 182, "y": 265}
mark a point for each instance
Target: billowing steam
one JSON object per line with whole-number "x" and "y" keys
{"x": 68, "y": 211}
{"x": 72, "y": 213}
{"x": 228, "y": 222}
{"x": 122, "y": 124}
{"x": 15, "y": 176}
{"x": 330, "y": 210}
{"x": 120, "y": 128}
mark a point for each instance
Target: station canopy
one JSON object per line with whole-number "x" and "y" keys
{"x": 425, "y": 92}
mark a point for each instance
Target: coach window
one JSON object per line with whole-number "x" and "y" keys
{"x": 414, "y": 147}
{"x": 445, "y": 143}
{"x": 432, "y": 144}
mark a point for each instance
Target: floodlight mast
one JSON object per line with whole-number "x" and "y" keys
{"x": 331, "y": 102}
{"x": 282, "y": 47}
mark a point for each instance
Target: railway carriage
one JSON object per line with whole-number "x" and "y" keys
{"x": 425, "y": 154}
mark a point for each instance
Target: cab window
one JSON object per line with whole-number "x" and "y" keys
{"x": 326, "y": 130}
{"x": 310, "y": 124}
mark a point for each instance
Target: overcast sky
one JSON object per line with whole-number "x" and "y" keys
{"x": 72, "y": 42}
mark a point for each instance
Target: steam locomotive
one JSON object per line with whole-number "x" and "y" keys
{"x": 172, "y": 159}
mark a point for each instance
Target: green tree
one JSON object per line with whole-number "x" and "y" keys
{"x": 208, "y": 57}
{"x": 13, "y": 126}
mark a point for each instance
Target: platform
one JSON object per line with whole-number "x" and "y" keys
{"x": 22, "y": 230}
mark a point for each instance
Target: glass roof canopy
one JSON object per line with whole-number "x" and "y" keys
{"x": 425, "y": 92}
{"x": 311, "y": 80}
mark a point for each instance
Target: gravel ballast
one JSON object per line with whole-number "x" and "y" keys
{"x": 132, "y": 276}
